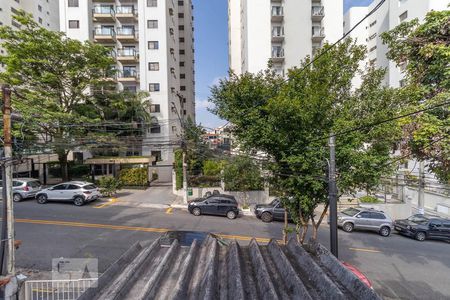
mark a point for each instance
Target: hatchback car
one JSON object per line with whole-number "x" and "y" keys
{"x": 219, "y": 205}
{"x": 269, "y": 212}
{"x": 23, "y": 188}
{"x": 366, "y": 219}
{"x": 78, "y": 192}
{"x": 423, "y": 227}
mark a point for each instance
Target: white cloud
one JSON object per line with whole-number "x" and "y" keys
{"x": 216, "y": 80}
{"x": 203, "y": 103}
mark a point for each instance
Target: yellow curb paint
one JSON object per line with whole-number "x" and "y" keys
{"x": 365, "y": 250}
{"x": 169, "y": 210}
{"x": 112, "y": 201}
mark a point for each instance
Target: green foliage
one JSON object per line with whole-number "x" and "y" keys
{"x": 134, "y": 176}
{"x": 74, "y": 170}
{"x": 178, "y": 169}
{"x": 369, "y": 199}
{"x": 424, "y": 50}
{"x": 154, "y": 175}
{"x": 204, "y": 181}
{"x": 109, "y": 185}
{"x": 242, "y": 174}
{"x": 213, "y": 167}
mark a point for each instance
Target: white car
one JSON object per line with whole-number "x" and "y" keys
{"x": 78, "y": 192}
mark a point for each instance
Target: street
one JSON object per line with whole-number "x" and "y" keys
{"x": 398, "y": 267}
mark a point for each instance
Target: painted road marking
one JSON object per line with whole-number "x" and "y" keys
{"x": 365, "y": 250}
{"x": 110, "y": 202}
{"x": 169, "y": 210}
{"x": 130, "y": 228}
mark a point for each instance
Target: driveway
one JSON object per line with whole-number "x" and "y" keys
{"x": 152, "y": 197}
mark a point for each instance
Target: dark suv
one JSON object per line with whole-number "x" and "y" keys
{"x": 218, "y": 204}
{"x": 272, "y": 211}
{"x": 423, "y": 227}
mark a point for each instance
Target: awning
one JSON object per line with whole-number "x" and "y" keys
{"x": 119, "y": 160}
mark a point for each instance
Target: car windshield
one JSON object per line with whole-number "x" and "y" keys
{"x": 34, "y": 184}
{"x": 350, "y": 211}
{"x": 418, "y": 219}
{"x": 274, "y": 202}
{"x": 89, "y": 187}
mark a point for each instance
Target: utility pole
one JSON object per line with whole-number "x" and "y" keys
{"x": 332, "y": 194}
{"x": 184, "y": 148}
{"x": 185, "y": 187}
{"x": 421, "y": 187}
{"x": 8, "y": 179}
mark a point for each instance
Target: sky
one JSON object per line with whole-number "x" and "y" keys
{"x": 211, "y": 52}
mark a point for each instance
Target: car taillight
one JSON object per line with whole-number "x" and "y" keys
{"x": 26, "y": 188}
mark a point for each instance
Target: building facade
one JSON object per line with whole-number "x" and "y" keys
{"x": 282, "y": 32}
{"x": 153, "y": 46}
{"x": 387, "y": 17}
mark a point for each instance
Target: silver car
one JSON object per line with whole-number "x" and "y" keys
{"x": 23, "y": 188}
{"x": 78, "y": 192}
{"x": 366, "y": 219}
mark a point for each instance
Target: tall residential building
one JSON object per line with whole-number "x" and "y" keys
{"x": 387, "y": 17}
{"x": 152, "y": 42}
{"x": 280, "y": 31}
{"x": 45, "y": 12}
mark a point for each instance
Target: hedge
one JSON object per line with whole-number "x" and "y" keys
{"x": 134, "y": 177}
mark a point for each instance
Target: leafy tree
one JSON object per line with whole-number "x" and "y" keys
{"x": 291, "y": 121}
{"x": 242, "y": 174}
{"x": 424, "y": 51}
{"x": 59, "y": 86}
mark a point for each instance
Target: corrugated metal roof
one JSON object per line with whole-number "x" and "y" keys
{"x": 210, "y": 270}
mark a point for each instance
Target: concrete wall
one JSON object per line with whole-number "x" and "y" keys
{"x": 394, "y": 210}
{"x": 431, "y": 199}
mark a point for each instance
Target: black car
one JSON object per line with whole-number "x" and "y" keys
{"x": 272, "y": 211}
{"x": 423, "y": 227}
{"x": 219, "y": 205}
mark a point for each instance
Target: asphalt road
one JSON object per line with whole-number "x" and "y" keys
{"x": 399, "y": 267}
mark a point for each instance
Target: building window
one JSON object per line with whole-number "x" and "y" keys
{"x": 73, "y": 3}
{"x": 171, "y": 31}
{"x": 182, "y": 76}
{"x": 373, "y": 48}
{"x": 180, "y": 3}
{"x": 15, "y": 24}
{"x": 152, "y": 23}
{"x": 181, "y": 27}
{"x": 39, "y": 8}
{"x": 130, "y": 88}
{"x": 403, "y": 16}
{"x": 181, "y": 63}
{"x": 184, "y": 112}
{"x": 373, "y": 23}
{"x": 402, "y": 83}
{"x": 152, "y": 45}
{"x": 171, "y": 11}
{"x": 181, "y": 39}
{"x": 372, "y": 36}
{"x": 156, "y": 128}
{"x": 153, "y": 87}
{"x": 182, "y": 51}
{"x": 153, "y": 66}
{"x": 157, "y": 155}
{"x": 182, "y": 88}
{"x": 74, "y": 24}
{"x": 14, "y": 11}
{"x": 172, "y": 51}
{"x": 155, "y": 108}
{"x": 181, "y": 15}
{"x": 152, "y": 3}
{"x": 40, "y": 20}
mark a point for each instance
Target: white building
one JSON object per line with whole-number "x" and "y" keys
{"x": 387, "y": 17}
{"x": 152, "y": 41}
{"x": 281, "y": 31}
{"x": 45, "y": 12}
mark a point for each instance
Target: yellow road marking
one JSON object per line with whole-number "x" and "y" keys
{"x": 113, "y": 200}
{"x": 44, "y": 290}
{"x": 129, "y": 228}
{"x": 169, "y": 210}
{"x": 365, "y": 250}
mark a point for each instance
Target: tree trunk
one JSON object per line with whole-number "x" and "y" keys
{"x": 304, "y": 231}
{"x": 285, "y": 227}
{"x": 62, "y": 158}
{"x": 315, "y": 226}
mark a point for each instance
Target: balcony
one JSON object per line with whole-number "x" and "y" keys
{"x": 277, "y": 34}
{"x": 128, "y": 75}
{"x": 103, "y": 13}
{"x": 317, "y": 13}
{"x": 277, "y": 54}
{"x": 126, "y": 13}
{"x": 104, "y": 35}
{"x": 127, "y": 55}
{"x": 127, "y": 34}
{"x": 277, "y": 14}
{"x": 318, "y": 33}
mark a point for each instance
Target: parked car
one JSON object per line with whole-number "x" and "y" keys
{"x": 219, "y": 205}
{"x": 272, "y": 211}
{"x": 78, "y": 192}
{"x": 23, "y": 188}
{"x": 423, "y": 227}
{"x": 366, "y": 219}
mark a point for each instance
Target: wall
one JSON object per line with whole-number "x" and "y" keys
{"x": 431, "y": 199}
{"x": 394, "y": 210}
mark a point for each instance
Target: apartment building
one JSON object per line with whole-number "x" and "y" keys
{"x": 280, "y": 31}
{"x": 153, "y": 46}
{"x": 387, "y": 17}
{"x": 45, "y": 12}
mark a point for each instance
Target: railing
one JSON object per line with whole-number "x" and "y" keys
{"x": 318, "y": 11}
{"x": 126, "y": 10}
{"x": 129, "y": 74}
{"x": 104, "y": 31}
{"x": 277, "y": 11}
{"x": 57, "y": 289}
{"x": 318, "y": 31}
{"x": 277, "y": 31}
{"x": 278, "y": 53}
{"x": 131, "y": 32}
{"x": 127, "y": 53}
{"x": 103, "y": 10}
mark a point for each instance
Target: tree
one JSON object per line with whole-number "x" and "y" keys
{"x": 291, "y": 120}
{"x": 424, "y": 52}
{"x": 60, "y": 85}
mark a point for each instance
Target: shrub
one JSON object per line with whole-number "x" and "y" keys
{"x": 134, "y": 176}
{"x": 178, "y": 169}
{"x": 109, "y": 185}
{"x": 242, "y": 174}
{"x": 154, "y": 175}
{"x": 204, "y": 181}
{"x": 212, "y": 167}
{"x": 368, "y": 199}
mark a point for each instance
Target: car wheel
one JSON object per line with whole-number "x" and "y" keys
{"x": 420, "y": 236}
{"x": 17, "y": 197}
{"x": 266, "y": 217}
{"x": 196, "y": 211}
{"x": 385, "y": 231}
{"x": 348, "y": 227}
{"x": 42, "y": 199}
{"x": 231, "y": 215}
{"x": 78, "y": 201}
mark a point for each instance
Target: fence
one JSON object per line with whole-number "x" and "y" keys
{"x": 57, "y": 289}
